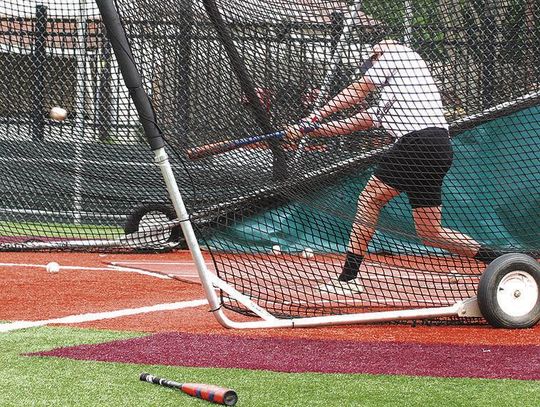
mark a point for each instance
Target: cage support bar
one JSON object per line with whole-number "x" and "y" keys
{"x": 130, "y": 73}
{"x": 80, "y": 128}
{"x": 208, "y": 279}
{"x": 246, "y": 84}
{"x": 133, "y": 81}
{"x": 461, "y": 308}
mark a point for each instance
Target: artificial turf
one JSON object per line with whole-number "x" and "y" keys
{"x": 57, "y": 230}
{"x": 44, "y": 381}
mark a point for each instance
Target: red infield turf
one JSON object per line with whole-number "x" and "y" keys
{"x": 316, "y": 355}
{"x": 29, "y": 293}
{"x": 308, "y": 283}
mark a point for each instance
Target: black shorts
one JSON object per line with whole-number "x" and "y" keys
{"x": 417, "y": 164}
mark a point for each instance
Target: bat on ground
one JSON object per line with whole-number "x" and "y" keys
{"x": 228, "y": 145}
{"x": 214, "y": 394}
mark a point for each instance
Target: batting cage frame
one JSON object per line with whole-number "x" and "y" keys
{"x": 325, "y": 161}
{"x": 132, "y": 78}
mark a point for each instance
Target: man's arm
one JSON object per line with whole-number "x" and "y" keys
{"x": 352, "y": 95}
{"x": 360, "y": 121}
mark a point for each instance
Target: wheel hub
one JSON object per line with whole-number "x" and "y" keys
{"x": 517, "y": 293}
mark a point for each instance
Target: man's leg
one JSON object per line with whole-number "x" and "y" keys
{"x": 372, "y": 199}
{"x": 428, "y": 223}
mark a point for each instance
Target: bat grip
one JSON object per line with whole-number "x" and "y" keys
{"x": 307, "y": 127}
{"x": 147, "y": 377}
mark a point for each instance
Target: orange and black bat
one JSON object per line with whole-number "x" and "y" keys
{"x": 214, "y": 394}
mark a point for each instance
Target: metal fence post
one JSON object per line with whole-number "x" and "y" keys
{"x": 39, "y": 65}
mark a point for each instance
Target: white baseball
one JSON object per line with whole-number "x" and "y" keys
{"x": 307, "y": 253}
{"x": 453, "y": 277}
{"x": 58, "y": 113}
{"x": 53, "y": 267}
{"x": 276, "y": 249}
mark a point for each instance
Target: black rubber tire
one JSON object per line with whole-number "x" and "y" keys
{"x": 133, "y": 221}
{"x": 489, "y": 284}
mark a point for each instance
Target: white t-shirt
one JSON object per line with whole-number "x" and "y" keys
{"x": 409, "y": 99}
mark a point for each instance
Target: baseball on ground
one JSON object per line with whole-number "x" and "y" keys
{"x": 307, "y": 253}
{"x": 53, "y": 267}
{"x": 276, "y": 249}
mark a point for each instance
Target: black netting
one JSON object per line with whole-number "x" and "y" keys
{"x": 416, "y": 72}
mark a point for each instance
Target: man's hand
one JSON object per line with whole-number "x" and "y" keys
{"x": 295, "y": 132}
{"x": 312, "y": 119}
{"x": 293, "y": 135}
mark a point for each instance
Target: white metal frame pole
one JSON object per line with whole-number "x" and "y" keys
{"x": 467, "y": 308}
{"x": 133, "y": 80}
{"x": 208, "y": 279}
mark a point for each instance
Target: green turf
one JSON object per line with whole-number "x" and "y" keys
{"x": 39, "y": 381}
{"x": 57, "y": 230}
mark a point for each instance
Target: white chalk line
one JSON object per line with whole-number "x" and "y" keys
{"x": 150, "y": 262}
{"x": 108, "y": 268}
{"x": 171, "y": 274}
{"x": 155, "y": 263}
{"x": 80, "y": 318}
{"x": 139, "y": 271}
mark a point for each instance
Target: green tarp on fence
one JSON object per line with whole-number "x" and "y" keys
{"x": 489, "y": 194}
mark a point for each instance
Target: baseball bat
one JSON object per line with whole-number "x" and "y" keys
{"x": 208, "y": 392}
{"x": 228, "y": 145}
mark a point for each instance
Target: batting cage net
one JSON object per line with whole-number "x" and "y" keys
{"x": 399, "y": 150}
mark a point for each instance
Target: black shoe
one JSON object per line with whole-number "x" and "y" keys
{"x": 351, "y": 266}
{"x": 348, "y": 275}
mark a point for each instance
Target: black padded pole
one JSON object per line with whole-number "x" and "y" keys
{"x": 130, "y": 73}
{"x": 246, "y": 84}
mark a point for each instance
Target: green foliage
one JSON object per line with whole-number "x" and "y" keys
{"x": 423, "y": 20}
{"x": 391, "y": 14}
{"x": 428, "y": 30}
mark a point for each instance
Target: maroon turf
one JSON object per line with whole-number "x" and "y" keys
{"x": 327, "y": 356}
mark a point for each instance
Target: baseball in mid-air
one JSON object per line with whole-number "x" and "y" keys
{"x": 58, "y": 113}
{"x": 53, "y": 267}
